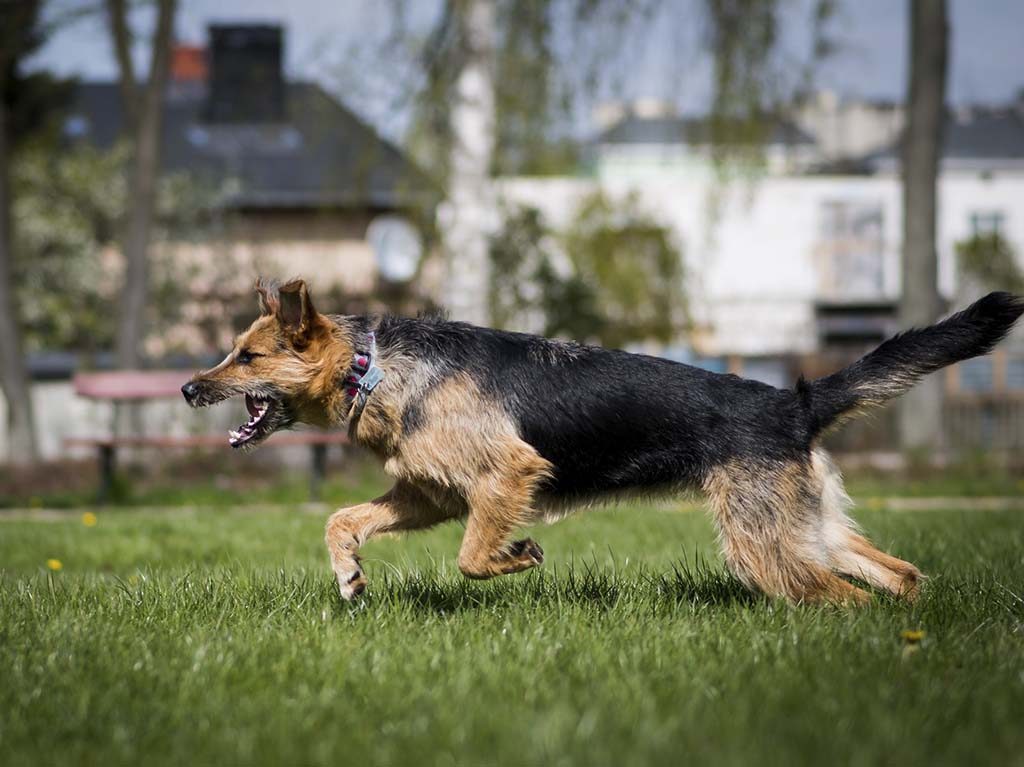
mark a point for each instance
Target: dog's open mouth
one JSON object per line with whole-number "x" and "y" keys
{"x": 259, "y": 424}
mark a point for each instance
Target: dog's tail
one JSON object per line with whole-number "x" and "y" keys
{"x": 904, "y": 359}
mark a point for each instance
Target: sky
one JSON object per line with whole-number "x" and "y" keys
{"x": 339, "y": 43}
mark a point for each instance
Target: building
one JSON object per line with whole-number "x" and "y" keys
{"x": 302, "y": 187}
{"x": 299, "y": 180}
{"x": 648, "y": 138}
{"x": 798, "y": 269}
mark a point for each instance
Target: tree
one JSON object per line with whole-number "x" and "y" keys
{"x": 143, "y": 122}
{"x": 24, "y": 102}
{"x": 921, "y": 410}
{"x": 619, "y": 280}
{"x": 13, "y": 372}
{"x": 68, "y": 200}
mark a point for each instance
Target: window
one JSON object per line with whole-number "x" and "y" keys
{"x": 76, "y": 126}
{"x": 769, "y": 370}
{"x": 986, "y": 222}
{"x": 1015, "y": 374}
{"x": 851, "y": 246}
{"x": 977, "y": 375}
{"x": 198, "y": 135}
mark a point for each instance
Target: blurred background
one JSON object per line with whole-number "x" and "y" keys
{"x": 762, "y": 187}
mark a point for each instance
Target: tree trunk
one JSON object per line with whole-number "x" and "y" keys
{"x": 921, "y": 408}
{"x": 13, "y": 373}
{"x": 143, "y": 174}
{"x": 117, "y": 17}
{"x": 470, "y": 191}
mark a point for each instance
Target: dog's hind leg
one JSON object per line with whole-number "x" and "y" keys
{"x": 850, "y": 553}
{"x": 404, "y": 507}
{"x": 769, "y": 520}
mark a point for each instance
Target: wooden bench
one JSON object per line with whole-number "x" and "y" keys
{"x": 136, "y": 386}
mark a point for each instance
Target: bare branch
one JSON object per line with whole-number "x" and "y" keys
{"x": 121, "y": 37}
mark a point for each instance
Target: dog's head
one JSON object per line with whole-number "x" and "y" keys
{"x": 285, "y": 365}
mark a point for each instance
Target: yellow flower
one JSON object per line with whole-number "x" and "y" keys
{"x": 89, "y": 519}
{"x": 912, "y": 637}
{"x": 55, "y": 564}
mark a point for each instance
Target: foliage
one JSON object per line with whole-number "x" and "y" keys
{"x": 67, "y": 269}
{"x": 218, "y": 637}
{"x": 754, "y": 81}
{"x": 65, "y": 212}
{"x": 990, "y": 260}
{"x": 616, "y": 278}
{"x": 530, "y": 98}
{"x": 534, "y": 93}
{"x": 632, "y": 267}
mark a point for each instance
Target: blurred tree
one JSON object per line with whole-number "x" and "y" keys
{"x": 989, "y": 261}
{"x": 633, "y": 270}
{"x": 920, "y": 413}
{"x": 69, "y": 201}
{"x": 26, "y": 101}
{"x": 143, "y": 110}
{"x": 754, "y": 81}
{"x": 616, "y": 279}
{"x": 497, "y": 97}
{"x": 533, "y": 93}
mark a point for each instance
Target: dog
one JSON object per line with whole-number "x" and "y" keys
{"x": 503, "y": 429}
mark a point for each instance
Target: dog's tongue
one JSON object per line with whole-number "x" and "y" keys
{"x": 250, "y": 405}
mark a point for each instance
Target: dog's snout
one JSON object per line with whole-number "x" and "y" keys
{"x": 190, "y": 391}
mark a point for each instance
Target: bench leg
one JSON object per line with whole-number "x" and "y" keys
{"x": 318, "y": 471}
{"x": 107, "y": 465}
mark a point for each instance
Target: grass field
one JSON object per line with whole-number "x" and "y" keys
{"x": 217, "y": 637}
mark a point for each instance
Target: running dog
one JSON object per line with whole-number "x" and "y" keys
{"x": 502, "y": 429}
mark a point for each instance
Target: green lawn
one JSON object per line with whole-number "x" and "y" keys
{"x": 217, "y": 638}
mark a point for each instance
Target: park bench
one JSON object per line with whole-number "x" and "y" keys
{"x": 137, "y": 386}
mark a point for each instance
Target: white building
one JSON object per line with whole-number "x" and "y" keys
{"x": 800, "y": 266}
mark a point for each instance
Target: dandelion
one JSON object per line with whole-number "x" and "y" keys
{"x": 89, "y": 519}
{"x": 911, "y": 642}
{"x": 55, "y": 564}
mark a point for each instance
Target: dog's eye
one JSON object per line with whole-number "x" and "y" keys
{"x": 245, "y": 357}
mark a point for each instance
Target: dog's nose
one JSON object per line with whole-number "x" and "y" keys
{"x": 190, "y": 391}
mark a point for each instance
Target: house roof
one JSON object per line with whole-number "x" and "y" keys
{"x": 633, "y": 129}
{"x": 978, "y": 136}
{"x": 985, "y": 134}
{"x": 322, "y": 155}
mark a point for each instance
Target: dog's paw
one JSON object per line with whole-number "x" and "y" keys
{"x": 351, "y": 582}
{"x": 527, "y": 549}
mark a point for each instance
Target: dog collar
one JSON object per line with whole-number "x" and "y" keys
{"x": 363, "y": 376}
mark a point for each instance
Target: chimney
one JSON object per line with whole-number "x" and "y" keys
{"x": 246, "y": 82}
{"x": 188, "y": 64}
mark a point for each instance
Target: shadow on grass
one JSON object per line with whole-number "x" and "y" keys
{"x": 576, "y": 586}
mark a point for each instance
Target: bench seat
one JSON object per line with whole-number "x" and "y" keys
{"x": 125, "y": 386}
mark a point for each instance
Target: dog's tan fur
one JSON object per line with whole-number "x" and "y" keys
{"x": 785, "y": 531}
{"x": 784, "y": 525}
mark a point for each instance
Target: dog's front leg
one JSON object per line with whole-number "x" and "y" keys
{"x": 402, "y": 508}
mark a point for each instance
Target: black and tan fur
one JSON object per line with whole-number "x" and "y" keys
{"x": 502, "y": 429}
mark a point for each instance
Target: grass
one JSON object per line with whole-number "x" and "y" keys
{"x": 217, "y": 637}
{"x": 233, "y": 479}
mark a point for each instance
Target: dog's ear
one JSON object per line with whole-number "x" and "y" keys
{"x": 295, "y": 312}
{"x": 267, "y": 295}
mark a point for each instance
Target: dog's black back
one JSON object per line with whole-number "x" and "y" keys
{"x": 609, "y": 420}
